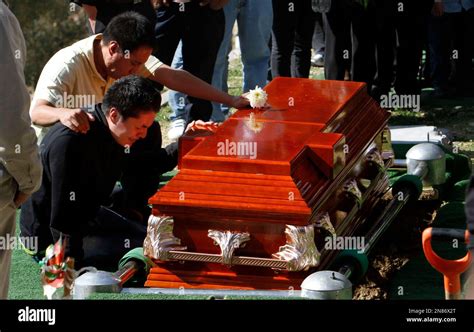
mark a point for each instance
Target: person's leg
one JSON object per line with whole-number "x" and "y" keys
{"x": 409, "y": 31}
{"x": 110, "y": 236}
{"x": 201, "y": 42}
{"x": 363, "y": 45}
{"x": 283, "y": 37}
{"x": 7, "y": 228}
{"x": 255, "y": 25}
{"x": 469, "y": 42}
{"x": 337, "y": 29}
{"x": 221, "y": 67}
{"x": 464, "y": 64}
{"x": 301, "y": 56}
{"x": 168, "y": 31}
{"x": 318, "y": 41}
{"x": 438, "y": 45}
{"x": 384, "y": 31}
{"x": 177, "y": 101}
{"x": 318, "y": 37}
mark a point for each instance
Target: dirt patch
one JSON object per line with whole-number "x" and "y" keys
{"x": 395, "y": 249}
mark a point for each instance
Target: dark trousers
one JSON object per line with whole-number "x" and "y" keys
{"x": 451, "y": 49}
{"x": 293, "y": 27}
{"x": 348, "y": 36}
{"x": 399, "y": 39}
{"x": 201, "y": 30}
{"x": 104, "y": 241}
{"x": 319, "y": 42}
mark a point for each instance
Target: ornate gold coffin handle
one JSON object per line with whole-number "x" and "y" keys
{"x": 299, "y": 253}
{"x": 228, "y": 241}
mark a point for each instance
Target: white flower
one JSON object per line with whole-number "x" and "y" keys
{"x": 257, "y": 97}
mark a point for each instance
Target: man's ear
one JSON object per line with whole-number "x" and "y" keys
{"x": 114, "y": 115}
{"x": 113, "y": 47}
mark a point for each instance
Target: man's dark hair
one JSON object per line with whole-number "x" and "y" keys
{"x": 131, "y": 31}
{"x": 132, "y": 95}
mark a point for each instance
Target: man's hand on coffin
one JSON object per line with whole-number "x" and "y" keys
{"x": 199, "y": 124}
{"x": 214, "y": 4}
{"x": 76, "y": 119}
{"x": 240, "y": 102}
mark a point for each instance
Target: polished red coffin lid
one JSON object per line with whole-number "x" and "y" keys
{"x": 312, "y": 131}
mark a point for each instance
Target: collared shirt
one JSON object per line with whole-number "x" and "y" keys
{"x": 456, "y": 6}
{"x": 70, "y": 78}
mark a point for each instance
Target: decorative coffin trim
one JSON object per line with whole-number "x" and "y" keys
{"x": 300, "y": 249}
{"x": 324, "y": 222}
{"x": 228, "y": 241}
{"x": 276, "y": 264}
{"x": 299, "y": 253}
{"x": 351, "y": 188}
{"x": 374, "y": 156}
{"x": 160, "y": 239}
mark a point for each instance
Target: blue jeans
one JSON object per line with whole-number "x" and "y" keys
{"x": 254, "y": 19}
{"x": 177, "y": 100}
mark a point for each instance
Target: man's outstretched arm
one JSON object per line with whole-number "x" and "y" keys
{"x": 183, "y": 81}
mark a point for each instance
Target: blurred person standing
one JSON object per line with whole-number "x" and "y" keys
{"x": 20, "y": 167}
{"x": 348, "y": 33}
{"x": 292, "y": 34}
{"x": 254, "y": 19}
{"x": 199, "y": 26}
{"x": 451, "y": 47}
{"x": 400, "y": 29}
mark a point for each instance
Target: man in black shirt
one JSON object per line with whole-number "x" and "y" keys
{"x": 81, "y": 171}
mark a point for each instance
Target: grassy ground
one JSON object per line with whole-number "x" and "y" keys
{"x": 456, "y": 115}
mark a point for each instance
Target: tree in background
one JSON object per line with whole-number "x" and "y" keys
{"x": 48, "y": 26}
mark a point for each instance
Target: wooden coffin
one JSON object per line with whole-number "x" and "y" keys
{"x": 256, "y": 215}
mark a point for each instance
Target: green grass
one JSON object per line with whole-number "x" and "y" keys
{"x": 25, "y": 280}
